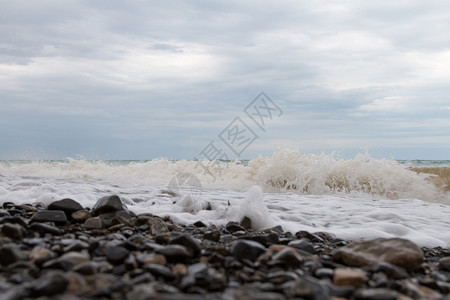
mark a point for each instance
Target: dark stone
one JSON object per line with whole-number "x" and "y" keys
{"x": 8, "y": 205}
{"x": 388, "y": 269}
{"x": 56, "y": 216}
{"x": 250, "y": 250}
{"x": 13, "y": 220}
{"x": 42, "y": 229}
{"x": 264, "y": 239}
{"x": 199, "y": 224}
{"x": 212, "y": 235}
{"x": 50, "y": 284}
{"x": 159, "y": 270}
{"x": 77, "y": 246}
{"x": 276, "y": 229}
{"x": 68, "y": 206}
{"x": 13, "y": 231}
{"x": 59, "y": 264}
{"x": 309, "y": 236}
{"x": 24, "y": 267}
{"x": 234, "y": 227}
{"x": 379, "y": 280}
{"x": 16, "y": 293}
{"x": 116, "y": 255}
{"x": 302, "y": 244}
{"x": 141, "y": 278}
{"x": 216, "y": 258}
{"x": 340, "y": 291}
{"x": 308, "y": 288}
{"x": 246, "y": 222}
{"x": 289, "y": 257}
{"x": 10, "y": 253}
{"x": 197, "y": 275}
{"x": 187, "y": 241}
{"x": 108, "y": 204}
{"x": 375, "y": 294}
{"x": 109, "y": 219}
{"x": 174, "y": 253}
{"x": 280, "y": 277}
{"x": 87, "y": 268}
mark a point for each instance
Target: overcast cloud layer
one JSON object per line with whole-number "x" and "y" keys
{"x": 145, "y": 79}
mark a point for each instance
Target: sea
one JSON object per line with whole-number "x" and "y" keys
{"x": 354, "y": 199}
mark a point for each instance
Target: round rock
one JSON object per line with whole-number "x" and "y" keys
{"x": 108, "y": 204}
{"x": 244, "y": 249}
{"x": 68, "y": 206}
{"x": 116, "y": 254}
{"x": 396, "y": 251}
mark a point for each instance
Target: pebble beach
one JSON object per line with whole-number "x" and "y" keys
{"x": 66, "y": 251}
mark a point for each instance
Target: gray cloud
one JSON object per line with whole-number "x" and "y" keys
{"x": 147, "y": 78}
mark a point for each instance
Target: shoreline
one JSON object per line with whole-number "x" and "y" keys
{"x": 65, "y": 251}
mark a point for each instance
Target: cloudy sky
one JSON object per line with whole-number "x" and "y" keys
{"x": 146, "y": 79}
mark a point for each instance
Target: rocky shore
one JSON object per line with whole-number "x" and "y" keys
{"x": 65, "y": 251}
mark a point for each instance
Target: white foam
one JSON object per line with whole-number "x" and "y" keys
{"x": 359, "y": 198}
{"x": 285, "y": 170}
{"x": 253, "y": 207}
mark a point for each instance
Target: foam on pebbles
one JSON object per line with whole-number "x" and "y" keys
{"x": 65, "y": 251}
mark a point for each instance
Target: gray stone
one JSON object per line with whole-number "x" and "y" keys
{"x": 302, "y": 244}
{"x": 388, "y": 269}
{"x": 76, "y": 258}
{"x": 157, "y": 226}
{"x": 324, "y": 273}
{"x": 174, "y": 253}
{"x": 250, "y": 250}
{"x": 93, "y": 223}
{"x": 4, "y": 213}
{"x": 87, "y": 268}
{"x": 418, "y": 291}
{"x": 42, "y": 229}
{"x": 80, "y": 216}
{"x": 375, "y": 294}
{"x": 309, "y": 288}
{"x": 116, "y": 255}
{"x": 108, "y": 204}
{"x": 76, "y": 246}
{"x": 444, "y": 263}
{"x": 160, "y": 270}
{"x": 212, "y": 235}
{"x": 289, "y": 257}
{"x": 187, "y": 241}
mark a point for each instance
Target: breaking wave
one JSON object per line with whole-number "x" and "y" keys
{"x": 284, "y": 171}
